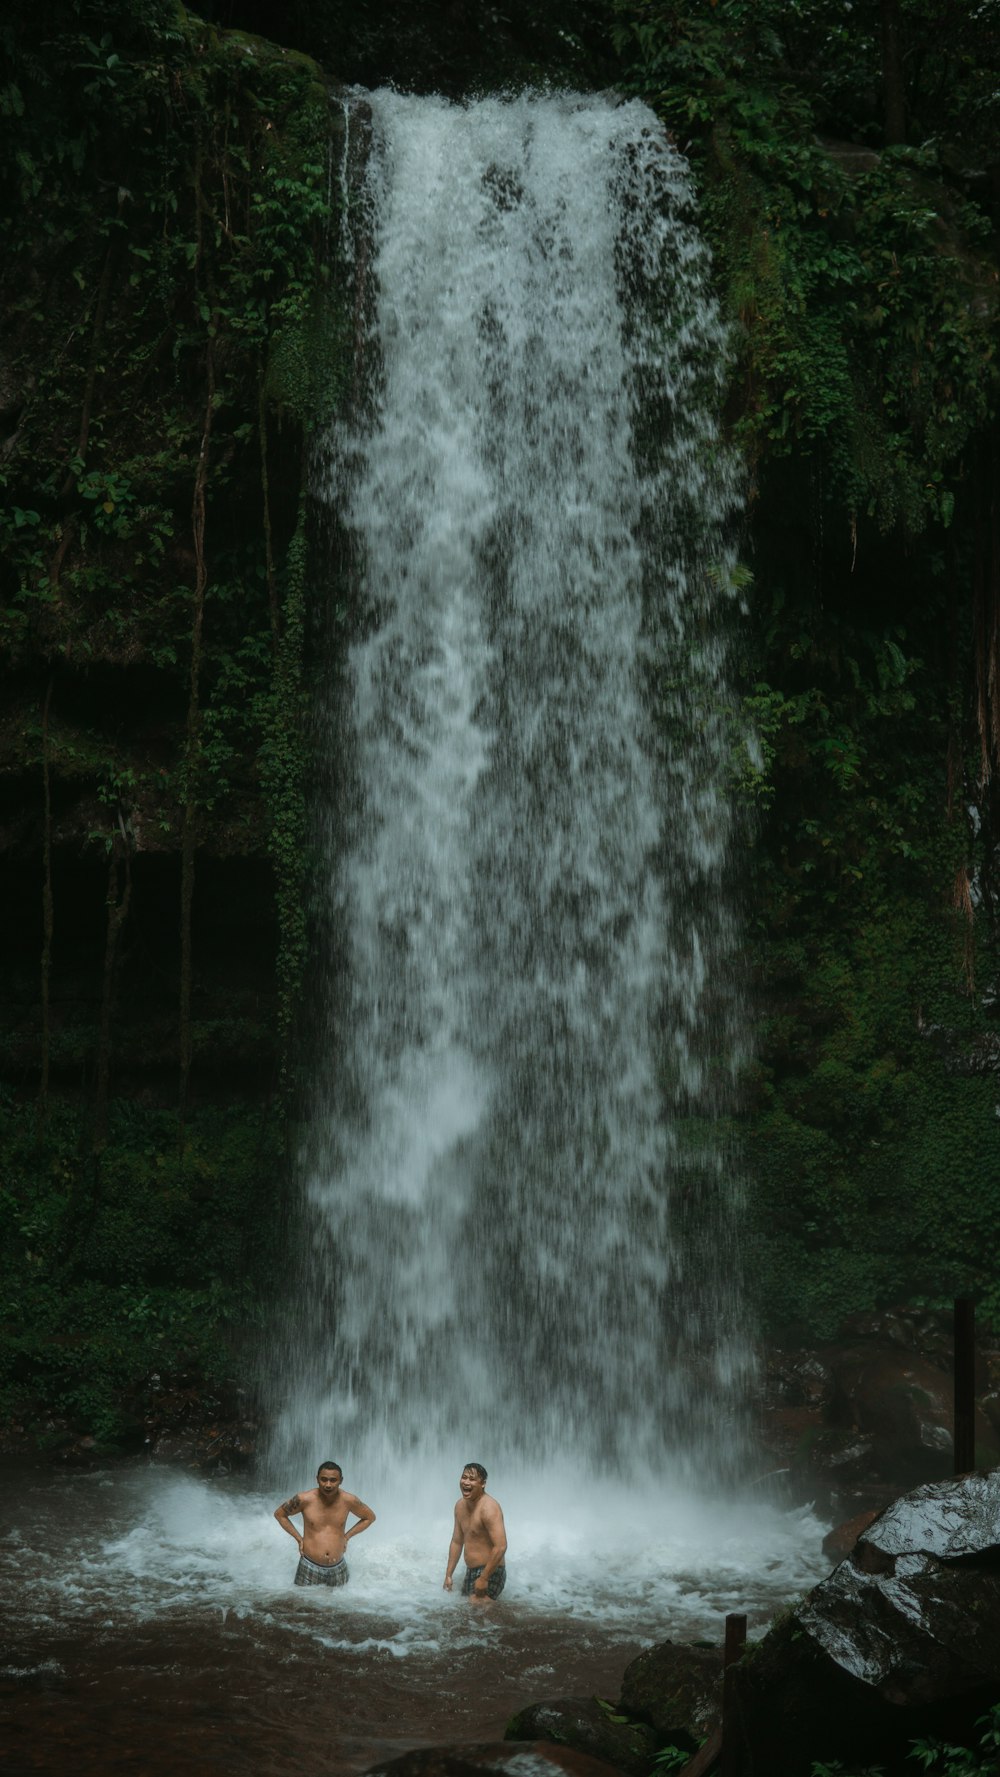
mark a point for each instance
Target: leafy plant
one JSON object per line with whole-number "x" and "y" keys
{"x": 942, "y": 1760}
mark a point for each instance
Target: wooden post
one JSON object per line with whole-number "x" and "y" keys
{"x": 965, "y": 1385}
{"x": 736, "y": 1641}
{"x": 724, "y": 1744}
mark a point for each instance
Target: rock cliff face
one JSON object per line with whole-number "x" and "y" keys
{"x": 850, "y": 1424}
{"x": 169, "y": 336}
{"x": 159, "y": 289}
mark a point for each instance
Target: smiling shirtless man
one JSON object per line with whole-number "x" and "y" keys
{"x": 479, "y": 1528}
{"x": 325, "y": 1510}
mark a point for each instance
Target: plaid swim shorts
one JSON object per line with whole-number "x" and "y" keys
{"x": 310, "y": 1573}
{"x": 494, "y": 1585}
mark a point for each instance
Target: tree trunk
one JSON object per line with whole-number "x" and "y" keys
{"x": 118, "y": 896}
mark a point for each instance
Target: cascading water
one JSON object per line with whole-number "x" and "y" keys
{"x": 516, "y": 1235}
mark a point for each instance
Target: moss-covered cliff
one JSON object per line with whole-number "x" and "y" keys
{"x": 850, "y": 187}
{"x": 169, "y": 336}
{"x": 173, "y": 332}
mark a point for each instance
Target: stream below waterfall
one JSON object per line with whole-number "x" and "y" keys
{"x": 152, "y": 1627}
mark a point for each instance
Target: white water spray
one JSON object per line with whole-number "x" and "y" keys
{"x": 529, "y": 1017}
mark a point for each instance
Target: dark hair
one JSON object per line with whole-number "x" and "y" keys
{"x": 324, "y": 1465}
{"x": 476, "y": 1468}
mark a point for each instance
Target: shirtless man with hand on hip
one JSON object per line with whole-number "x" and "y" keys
{"x": 325, "y": 1510}
{"x": 479, "y": 1529}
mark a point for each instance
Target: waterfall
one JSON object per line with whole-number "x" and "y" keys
{"x": 517, "y": 1221}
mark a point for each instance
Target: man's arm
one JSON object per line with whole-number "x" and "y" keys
{"x": 493, "y": 1524}
{"x": 290, "y": 1506}
{"x": 363, "y": 1513}
{"x": 455, "y": 1549}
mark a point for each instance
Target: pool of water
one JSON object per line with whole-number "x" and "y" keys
{"x": 151, "y": 1625}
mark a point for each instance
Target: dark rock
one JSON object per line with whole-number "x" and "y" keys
{"x": 677, "y": 1688}
{"x": 210, "y": 1449}
{"x": 536, "y": 1758}
{"x": 990, "y": 1404}
{"x": 915, "y": 1611}
{"x": 853, "y": 158}
{"x": 592, "y": 1726}
{"x": 903, "y": 1401}
{"x": 910, "y": 1329}
{"x": 81, "y": 1453}
{"x": 858, "y": 1422}
{"x": 788, "y": 1432}
{"x": 838, "y": 1542}
{"x": 838, "y": 1454}
{"x": 800, "y": 1379}
{"x": 176, "y": 1446}
{"x": 902, "y": 1640}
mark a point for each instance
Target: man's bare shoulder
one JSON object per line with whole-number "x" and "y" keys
{"x": 490, "y": 1508}
{"x": 298, "y": 1501}
{"x": 350, "y": 1500}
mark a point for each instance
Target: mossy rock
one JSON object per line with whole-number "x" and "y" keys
{"x": 677, "y": 1689}
{"x": 590, "y": 1725}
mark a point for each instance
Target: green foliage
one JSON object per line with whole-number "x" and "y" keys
{"x": 173, "y": 333}
{"x": 166, "y": 205}
{"x": 146, "y": 1260}
{"x": 859, "y": 282}
{"x": 820, "y": 1768}
{"x": 941, "y": 1760}
{"x": 859, "y": 285}
{"x": 872, "y": 1105}
{"x": 436, "y": 46}
{"x": 935, "y": 1757}
{"x": 671, "y": 1758}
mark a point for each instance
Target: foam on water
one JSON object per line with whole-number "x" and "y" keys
{"x": 162, "y": 1549}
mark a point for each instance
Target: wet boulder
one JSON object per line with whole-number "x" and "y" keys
{"x": 509, "y": 1758}
{"x": 591, "y": 1725}
{"x": 677, "y": 1688}
{"x": 902, "y": 1640}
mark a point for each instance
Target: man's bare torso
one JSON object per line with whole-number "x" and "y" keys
{"x": 477, "y": 1520}
{"x": 323, "y": 1523}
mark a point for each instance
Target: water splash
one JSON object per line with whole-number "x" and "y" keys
{"x": 518, "y": 1228}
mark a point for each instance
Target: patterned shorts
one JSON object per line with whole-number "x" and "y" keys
{"x": 494, "y": 1585}
{"x": 310, "y": 1573}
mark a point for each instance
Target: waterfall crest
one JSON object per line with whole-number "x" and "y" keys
{"x": 529, "y": 1020}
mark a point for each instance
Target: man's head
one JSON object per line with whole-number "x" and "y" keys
{"x": 328, "y": 1478}
{"x": 472, "y": 1480}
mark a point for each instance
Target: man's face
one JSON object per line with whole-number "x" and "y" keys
{"x": 470, "y": 1485}
{"x": 328, "y": 1481}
